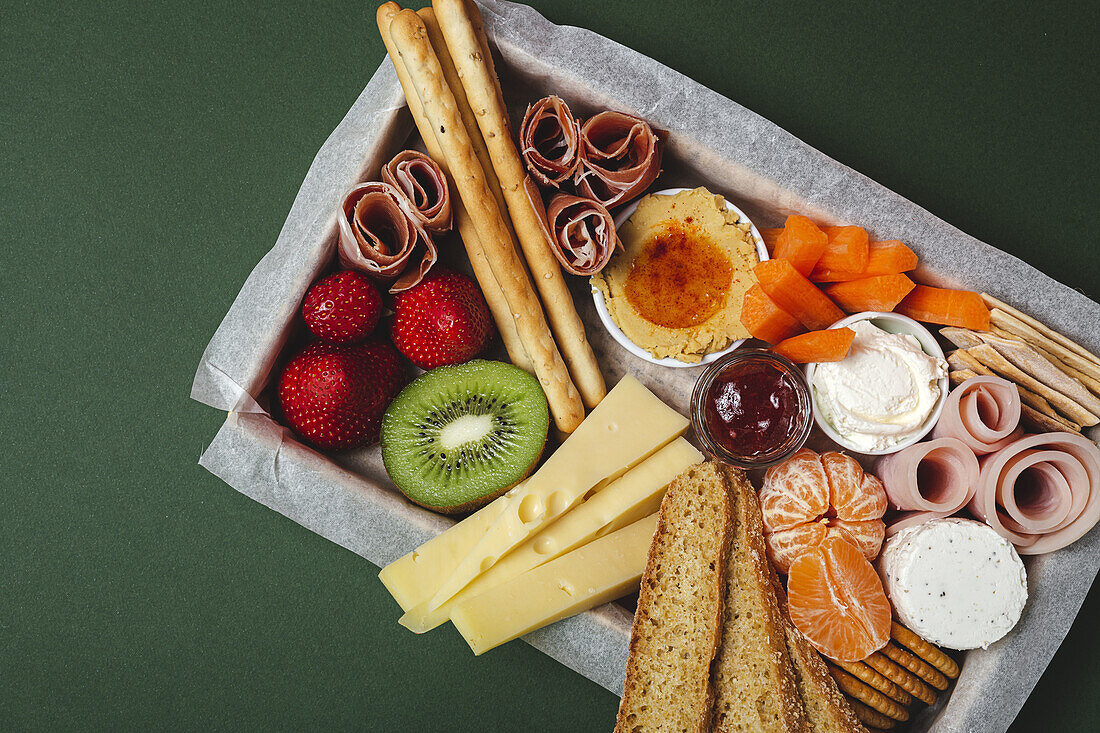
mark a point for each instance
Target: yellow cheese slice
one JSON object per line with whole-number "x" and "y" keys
{"x": 601, "y": 571}
{"x": 415, "y": 577}
{"x": 625, "y": 428}
{"x": 635, "y": 495}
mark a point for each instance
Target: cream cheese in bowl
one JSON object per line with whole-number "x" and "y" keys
{"x": 884, "y": 394}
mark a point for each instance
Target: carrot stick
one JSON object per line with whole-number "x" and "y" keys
{"x": 877, "y": 293}
{"x": 960, "y": 308}
{"x": 883, "y": 258}
{"x": 764, "y": 319}
{"x": 771, "y": 237}
{"x": 801, "y": 242}
{"x": 846, "y": 251}
{"x": 792, "y": 292}
{"x": 832, "y": 344}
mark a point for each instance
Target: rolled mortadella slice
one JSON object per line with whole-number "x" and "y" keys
{"x": 938, "y": 476}
{"x": 427, "y": 196}
{"x": 1042, "y": 492}
{"x": 582, "y": 232}
{"x": 620, "y": 157}
{"x": 550, "y": 141}
{"x": 982, "y": 412}
{"x": 378, "y": 237}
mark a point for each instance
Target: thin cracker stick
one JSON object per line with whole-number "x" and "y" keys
{"x": 410, "y": 38}
{"x": 962, "y": 362}
{"x": 474, "y": 66}
{"x": 1091, "y": 383}
{"x": 870, "y": 716}
{"x": 869, "y": 696}
{"x": 991, "y": 358}
{"x": 870, "y": 677}
{"x": 916, "y": 665}
{"x": 1042, "y": 423}
{"x": 1031, "y": 362}
{"x": 1064, "y": 342}
{"x": 901, "y": 677}
{"x": 925, "y": 650}
{"x": 498, "y": 306}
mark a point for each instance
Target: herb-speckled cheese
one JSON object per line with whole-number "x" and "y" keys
{"x": 955, "y": 582}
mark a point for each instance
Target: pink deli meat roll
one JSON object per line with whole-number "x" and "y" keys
{"x": 928, "y": 480}
{"x": 620, "y": 157}
{"x": 982, "y": 412}
{"x": 378, "y": 236}
{"x": 427, "y": 196}
{"x": 1042, "y": 492}
{"x": 582, "y": 232}
{"x": 550, "y": 141}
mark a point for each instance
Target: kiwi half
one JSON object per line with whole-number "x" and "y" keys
{"x": 459, "y": 436}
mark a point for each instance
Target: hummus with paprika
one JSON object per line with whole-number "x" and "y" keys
{"x": 675, "y": 289}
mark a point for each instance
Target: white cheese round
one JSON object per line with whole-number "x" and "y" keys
{"x": 955, "y": 582}
{"x": 882, "y": 392}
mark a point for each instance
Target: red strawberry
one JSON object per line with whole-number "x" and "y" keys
{"x": 334, "y": 396}
{"x": 443, "y": 320}
{"x": 343, "y": 308}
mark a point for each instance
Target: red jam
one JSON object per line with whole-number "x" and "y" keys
{"x": 752, "y": 407}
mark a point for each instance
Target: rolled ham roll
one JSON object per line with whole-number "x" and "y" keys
{"x": 379, "y": 238}
{"x": 620, "y": 157}
{"x": 905, "y": 520}
{"x": 550, "y": 138}
{"x": 427, "y": 198}
{"x": 582, "y": 232}
{"x": 939, "y": 476}
{"x": 1042, "y": 492}
{"x": 982, "y": 412}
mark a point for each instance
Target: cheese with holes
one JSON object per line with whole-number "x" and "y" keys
{"x": 414, "y": 578}
{"x": 601, "y": 571}
{"x": 635, "y": 495}
{"x": 624, "y": 429}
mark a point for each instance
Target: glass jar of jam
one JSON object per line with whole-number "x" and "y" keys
{"x": 751, "y": 409}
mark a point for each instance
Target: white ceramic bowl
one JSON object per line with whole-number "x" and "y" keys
{"x": 891, "y": 323}
{"x": 617, "y": 333}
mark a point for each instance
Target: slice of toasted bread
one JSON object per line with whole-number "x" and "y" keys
{"x": 752, "y": 680}
{"x": 676, "y": 627}
{"x": 827, "y": 710}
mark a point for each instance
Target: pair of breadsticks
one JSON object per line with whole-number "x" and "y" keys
{"x": 444, "y": 65}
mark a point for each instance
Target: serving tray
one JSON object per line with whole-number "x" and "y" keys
{"x": 712, "y": 141}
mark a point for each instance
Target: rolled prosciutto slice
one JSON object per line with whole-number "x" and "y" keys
{"x": 550, "y": 139}
{"x": 620, "y": 157}
{"x": 582, "y": 232}
{"x": 982, "y": 412}
{"x": 1041, "y": 492}
{"x": 939, "y": 476}
{"x": 420, "y": 179}
{"x": 378, "y": 236}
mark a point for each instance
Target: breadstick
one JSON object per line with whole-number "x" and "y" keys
{"x": 498, "y": 306}
{"x": 410, "y": 39}
{"x": 474, "y": 66}
{"x": 450, "y": 73}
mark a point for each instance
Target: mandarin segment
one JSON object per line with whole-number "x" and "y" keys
{"x": 794, "y": 492}
{"x": 866, "y": 536}
{"x": 836, "y": 600}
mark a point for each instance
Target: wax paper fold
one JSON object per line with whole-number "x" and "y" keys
{"x": 713, "y": 141}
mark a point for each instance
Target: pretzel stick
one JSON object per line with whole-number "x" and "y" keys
{"x": 474, "y": 65}
{"x": 410, "y": 39}
{"x": 498, "y": 306}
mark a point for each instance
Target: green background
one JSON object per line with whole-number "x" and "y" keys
{"x": 150, "y": 152}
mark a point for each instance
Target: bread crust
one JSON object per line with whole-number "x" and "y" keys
{"x": 705, "y": 640}
{"x": 754, "y": 687}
